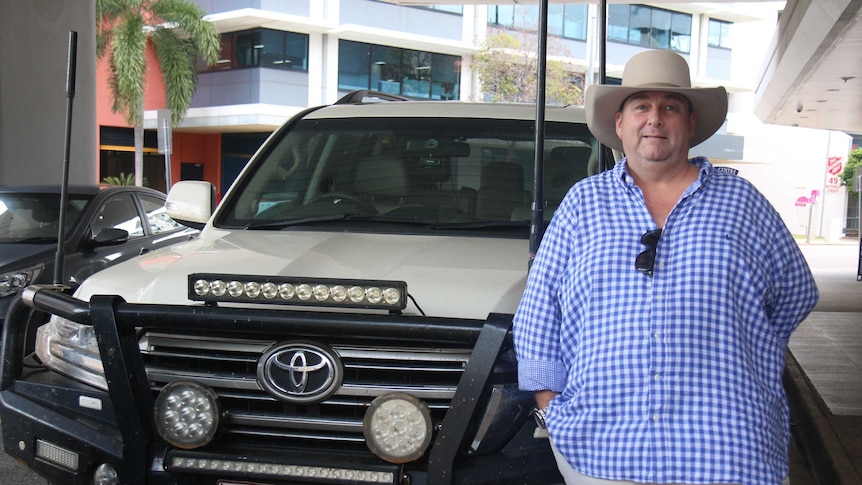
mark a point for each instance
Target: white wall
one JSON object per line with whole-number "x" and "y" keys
{"x": 33, "y": 100}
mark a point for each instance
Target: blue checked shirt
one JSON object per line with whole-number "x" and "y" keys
{"x": 674, "y": 378}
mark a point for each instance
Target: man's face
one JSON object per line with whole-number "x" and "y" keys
{"x": 656, "y": 126}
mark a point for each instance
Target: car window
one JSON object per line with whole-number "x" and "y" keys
{"x": 438, "y": 171}
{"x": 35, "y": 217}
{"x": 119, "y": 212}
{"x": 157, "y": 217}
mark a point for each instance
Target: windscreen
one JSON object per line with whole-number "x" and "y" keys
{"x": 432, "y": 173}
{"x": 31, "y": 218}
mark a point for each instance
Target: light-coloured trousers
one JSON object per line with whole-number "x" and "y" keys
{"x": 572, "y": 477}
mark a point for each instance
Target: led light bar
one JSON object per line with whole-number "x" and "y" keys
{"x": 210, "y": 287}
{"x": 281, "y": 471}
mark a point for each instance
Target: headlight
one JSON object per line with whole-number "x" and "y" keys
{"x": 71, "y": 349}
{"x": 397, "y": 427}
{"x": 15, "y": 281}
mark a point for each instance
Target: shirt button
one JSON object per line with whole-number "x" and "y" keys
{"x": 656, "y": 377}
{"x": 657, "y": 335}
{"x": 655, "y": 417}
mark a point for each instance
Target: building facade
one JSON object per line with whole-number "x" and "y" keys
{"x": 279, "y": 58}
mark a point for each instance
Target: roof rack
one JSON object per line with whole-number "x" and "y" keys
{"x": 369, "y": 96}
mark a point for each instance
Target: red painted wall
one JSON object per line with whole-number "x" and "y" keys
{"x": 187, "y": 147}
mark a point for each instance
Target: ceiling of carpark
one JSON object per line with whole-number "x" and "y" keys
{"x": 813, "y": 76}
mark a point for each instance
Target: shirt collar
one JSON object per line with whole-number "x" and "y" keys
{"x": 621, "y": 171}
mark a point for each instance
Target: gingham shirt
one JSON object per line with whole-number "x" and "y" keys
{"x": 674, "y": 378}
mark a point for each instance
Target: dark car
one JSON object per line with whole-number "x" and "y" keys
{"x": 104, "y": 226}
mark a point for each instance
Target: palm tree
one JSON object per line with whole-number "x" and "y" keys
{"x": 178, "y": 33}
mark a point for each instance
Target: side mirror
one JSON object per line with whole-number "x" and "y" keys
{"x": 110, "y": 236}
{"x": 191, "y": 203}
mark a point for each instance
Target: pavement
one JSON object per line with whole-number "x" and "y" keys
{"x": 824, "y": 368}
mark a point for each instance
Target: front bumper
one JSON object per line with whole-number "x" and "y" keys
{"x": 65, "y": 430}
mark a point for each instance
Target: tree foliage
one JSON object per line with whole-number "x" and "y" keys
{"x": 178, "y": 33}
{"x": 853, "y": 160}
{"x": 507, "y": 66}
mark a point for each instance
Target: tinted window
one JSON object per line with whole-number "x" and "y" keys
{"x": 34, "y": 218}
{"x": 118, "y": 212}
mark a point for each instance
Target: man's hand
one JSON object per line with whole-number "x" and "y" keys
{"x": 544, "y": 397}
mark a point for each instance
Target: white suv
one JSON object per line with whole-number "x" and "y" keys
{"x": 344, "y": 313}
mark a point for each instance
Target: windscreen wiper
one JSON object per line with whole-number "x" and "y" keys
{"x": 284, "y": 224}
{"x": 482, "y": 225}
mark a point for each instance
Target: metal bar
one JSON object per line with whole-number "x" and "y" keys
{"x": 71, "y": 67}
{"x": 453, "y": 430}
{"x": 537, "y": 222}
{"x": 127, "y": 386}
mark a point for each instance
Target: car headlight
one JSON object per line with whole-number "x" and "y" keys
{"x": 71, "y": 349}
{"x": 15, "y": 281}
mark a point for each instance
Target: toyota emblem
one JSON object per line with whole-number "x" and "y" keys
{"x": 300, "y": 372}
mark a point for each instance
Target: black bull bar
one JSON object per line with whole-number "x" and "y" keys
{"x": 117, "y": 325}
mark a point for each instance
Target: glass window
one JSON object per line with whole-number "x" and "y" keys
{"x": 660, "y": 31}
{"x": 649, "y": 27}
{"x": 526, "y": 17}
{"x": 680, "y": 39}
{"x": 556, "y": 14}
{"x": 157, "y": 217}
{"x": 268, "y": 48}
{"x": 719, "y": 33}
{"x": 575, "y": 22}
{"x": 353, "y": 65}
{"x": 246, "y": 49}
{"x": 35, "y": 217}
{"x": 639, "y": 25}
{"x": 417, "y": 74}
{"x": 564, "y": 20}
{"x": 118, "y": 212}
{"x": 618, "y": 23}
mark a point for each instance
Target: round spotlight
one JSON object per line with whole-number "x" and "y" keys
{"x": 187, "y": 414}
{"x": 304, "y": 291}
{"x": 321, "y": 292}
{"x": 374, "y": 294}
{"x": 356, "y": 294}
{"x": 392, "y": 296}
{"x": 397, "y": 427}
{"x": 105, "y": 474}
{"x": 202, "y": 287}
{"x": 252, "y": 289}
{"x": 269, "y": 290}
{"x": 235, "y": 288}
{"x": 218, "y": 287}
{"x": 286, "y": 291}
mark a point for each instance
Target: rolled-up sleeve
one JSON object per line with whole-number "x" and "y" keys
{"x": 537, "y": 322}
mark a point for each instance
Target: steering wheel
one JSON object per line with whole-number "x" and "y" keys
{"x": 339, "y": 199}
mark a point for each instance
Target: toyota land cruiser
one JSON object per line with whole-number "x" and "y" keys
{"x": 343, "y": 317}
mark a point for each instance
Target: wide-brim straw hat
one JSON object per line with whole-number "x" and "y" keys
{"x": 654, "y": 70}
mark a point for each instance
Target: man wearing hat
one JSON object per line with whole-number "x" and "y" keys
{"x": 659, "y": 306}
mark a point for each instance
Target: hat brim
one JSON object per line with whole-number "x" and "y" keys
{"x": 603, "y": 101}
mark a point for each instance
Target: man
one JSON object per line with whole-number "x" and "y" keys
{"x": 659, "y": 306}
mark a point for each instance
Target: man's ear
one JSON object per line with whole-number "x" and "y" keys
{"x": 618, "y": 119}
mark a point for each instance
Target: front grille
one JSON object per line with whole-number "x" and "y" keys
{"x": 229, "y": 366}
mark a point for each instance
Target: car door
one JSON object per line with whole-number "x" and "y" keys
{"x": 117, "y": 211}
